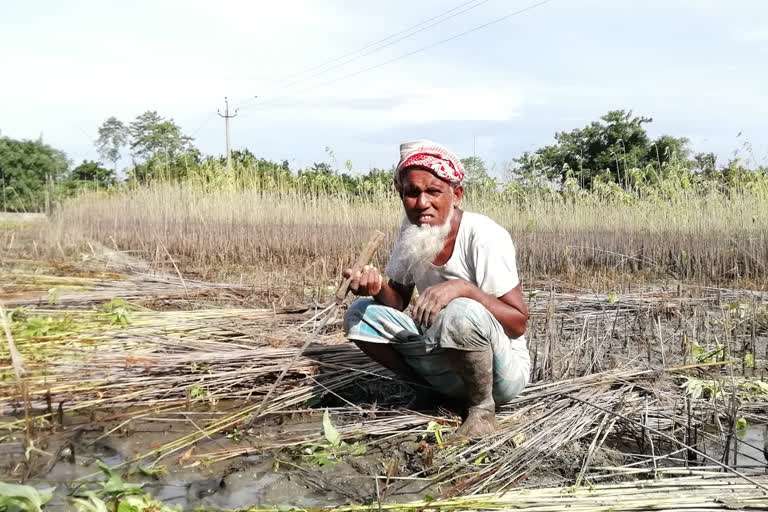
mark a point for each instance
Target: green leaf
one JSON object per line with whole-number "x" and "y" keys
{"x": 23, "y": 498}
{"x": 127, "y": 507}
{"x": 693, "y": 387}
{"x": 356, "y": 450}
{"x": 331, "y": 434}
{"x": 148, "y": 471}
{"x": 741, "y": 423}
{"x": 322, "y": 459}
{"x": 104, "y": 469}
{"x": 435, "y": 427}
{"x": 114, "y": 485}
{"x": 196, "y": 391}
{"x": 118, "y": 312}
{"x": 749, "y": 359}
{"x": 89, "y": 503}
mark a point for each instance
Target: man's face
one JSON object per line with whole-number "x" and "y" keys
{"x": 426, "y": 198}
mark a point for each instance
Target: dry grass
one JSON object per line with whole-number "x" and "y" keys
{"x": 607, "y": 374}
{"x": 705, "y": 238}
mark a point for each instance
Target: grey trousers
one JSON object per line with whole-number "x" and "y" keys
{"x": 464, "y": 324}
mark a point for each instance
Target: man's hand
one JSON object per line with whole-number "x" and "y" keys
{"x": 367, "y": 282}
{"x": 434, "y": 299}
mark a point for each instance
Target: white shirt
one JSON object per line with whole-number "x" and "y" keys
{"x": 483, "y": 255}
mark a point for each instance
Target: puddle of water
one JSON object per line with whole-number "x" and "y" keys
{"x": 253, "y": 483}
{"x": 749, "y": 448}
{"x": 235, "y": 483}
{"x": 252, "y": 487}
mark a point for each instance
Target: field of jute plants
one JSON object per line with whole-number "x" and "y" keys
{"x": 674, "y": 230}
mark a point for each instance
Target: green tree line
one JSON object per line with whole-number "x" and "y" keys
{"x": 612, "y": 157}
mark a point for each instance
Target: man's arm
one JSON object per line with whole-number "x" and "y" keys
{"x": 395, "y": 295}
{"x": 370, "y": 282}
{"x": 509, "y": 309}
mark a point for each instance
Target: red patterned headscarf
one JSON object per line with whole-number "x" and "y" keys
{"x": 432, "y": 156}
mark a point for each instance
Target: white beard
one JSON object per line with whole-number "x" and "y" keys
{"x": 418, "y": 246}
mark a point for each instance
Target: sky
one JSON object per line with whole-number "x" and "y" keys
{"x": 697, "y": 67}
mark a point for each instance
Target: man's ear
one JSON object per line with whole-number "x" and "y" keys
{"x": 458, "y": 193}
{"x": 399, "y": 190}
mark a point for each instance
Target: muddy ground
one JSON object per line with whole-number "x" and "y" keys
{"x": 303, "y": 475}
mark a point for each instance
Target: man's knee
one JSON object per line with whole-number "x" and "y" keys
{"x": 462, "y": 325}
{"x": 355, "y": 313}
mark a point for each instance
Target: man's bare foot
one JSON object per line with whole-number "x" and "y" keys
{"x": 479, "y": 422}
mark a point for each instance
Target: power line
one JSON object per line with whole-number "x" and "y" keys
{"x": 421, "y": 49}
{"x": 374, "y": 43}
{"x": 207, "y": 120}
{"x": 450, "y": 13}
{"x": 390, "y": 43}
{"x": 432, "y": 45}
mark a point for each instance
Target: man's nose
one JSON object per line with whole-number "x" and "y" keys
{"x": 422, "y": 201}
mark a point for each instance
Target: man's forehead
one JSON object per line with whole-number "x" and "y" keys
{"x": 419, "y": 176}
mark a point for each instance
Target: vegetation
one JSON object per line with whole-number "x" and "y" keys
{"x": 611, "y": 149}
{"x": 28, "y": 170}
{"x": 603, "y": 199}
{"x": 260, "y": 216}
{"x": 23, "y": 498}
{"x": 113, "y": 136}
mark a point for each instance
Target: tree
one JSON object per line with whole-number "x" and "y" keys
{"x": 152, "y": 134}
{"x": 705, "y": 163}
{"x": 613, "y": 146}
{"x": 159, "y": 146}
{"x": 668, "y": 149}
{"x": 322, "y": 168}
{"x": 28, "y": 169}
{"x": 476, "y": 171}
{"x": 93, "y": 172}
{"x": 113, "y": 136}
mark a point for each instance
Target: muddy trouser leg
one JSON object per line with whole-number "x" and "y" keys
{"x": 377, "y": 330}
{"x": 464, "y": 325}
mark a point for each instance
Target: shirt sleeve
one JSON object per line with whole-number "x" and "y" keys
{"x": 495, "y": 262}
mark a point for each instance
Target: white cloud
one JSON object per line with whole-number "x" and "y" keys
{"x": 409, "y": 104}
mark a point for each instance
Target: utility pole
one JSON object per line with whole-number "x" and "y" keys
{"x": 227, "y": 117}
{"x": 5, "y": 209}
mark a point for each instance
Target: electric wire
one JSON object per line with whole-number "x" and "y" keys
{"x": 373, "y": 47}
{"x": 374, "y": 43}
{"x": 390, "y": 43}
{"x": 414, "y": 52}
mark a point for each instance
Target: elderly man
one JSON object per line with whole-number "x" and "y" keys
{"x": 464, "y": 336}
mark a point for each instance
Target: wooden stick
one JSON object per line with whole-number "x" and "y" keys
{"x": 364, "y": 259}
{"x": 16, "y": 360}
